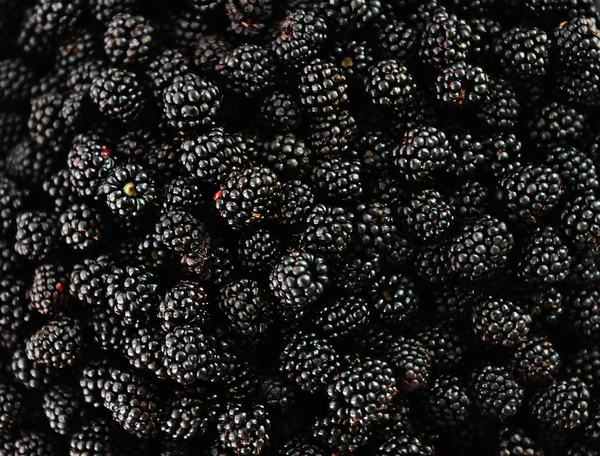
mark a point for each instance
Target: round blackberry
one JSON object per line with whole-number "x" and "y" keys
{"x": 536, "y": 361}
{"x": 117, "y": 94}
{"x": 299, "y": 37}
{"x": 248, "y": 70}
{"x": 259, "y": 251}
{"x": 355, "y": 58}
{"x": 190, "y": 102}
{"x": 515, "y": 441}
{"x": 287, "y": 155}
{"x": 497, "y": 321}
{"x": 555, "y": 124}
{"x": 563, "y": 405}
{"x": 462, "y": 85}
{"x": 131, "y": 292}
{"x": 329, "y": 230}
{"x": 576, "y": 42}
{"x": 29, "y": 164}
{"x": 423, "y": 151}
{"x": 447, "y": 402}
{"x": 184, "y": 304}
{"x": 212, "y": 157}
{"x": 208, "y": 51}
{"x": 298, "y": 280}
{"x": 81, "y": 227}
{"x": 280, "y": 111}
{"x": 356, "y": 271}
{"x": 411, "y": 363}
{"x": 298, "y": 202}
{"x": 341, "y": 435}
{"x": 187, "y": 417}
{"x": 12, "y": 406}
{"x": 545, "y": 258}
{"x": 426, "y": 215}
{"x": 181, "y": 194}
{"x": 580, "y": 223}
{"x": 496, "y": 392}
{"x": 362, "y": 392}
{"x": 10, "y": 261}
{"x": 129, "y": 190}
{"x": 395, "y": 298}
{"x": 93, "y": 439}
{"x": 162, "y": 70}
{"x": 129, "y": 40}
{"x": 501, "y": 106}
{"x": 248, "y": 308}
{"x": 34, "y": 443}
{"x": 16, "y": 80}
{"x": 398, "y": 40}
{"x": 57, "y": 344}
{"x": 143, "y": 351}
{"x": 187, "y": 355}
{"x": 245, "y": 431}
{"x": 445, "y": 39}
{"x": 36, "y": 236}
{"x": 342, "y": 317}
{"x": 323, "y": 88}
{"x": 331, "y": 135}
{"x": 49, "y": 291}
{"x": 46, "y": 125}
{"x": 28, "y": 374}
{"x": 585, "y": 365}
{"x": 375, "y": 226}
{"x": 523, "y": 52}
{"x": 390, "y": 84}
{"x": 249, "y": 196}
{"x": 62, "y": 407}
{"x": 470, "y": 199}
{"x": 583, "y": 310}
{"x": 59, "y": 190}
{"x": 11, "y": 201}
{"x": 502, "y": 153}
{"x": 87, "y": 279}
{"x": 12, "y": 129}
{"x": 530, "y": 192}
{"x": 576, "y": 170}
{"x": 480, "y": 248}
{"x": 338, "y": 178}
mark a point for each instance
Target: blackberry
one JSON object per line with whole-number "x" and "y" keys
{"x": 497, "y": 321}
{"x": 212, "y": 157}
{"x": 298, "y": 280}
{"x": 12, "y": 406}
{"x": 49, "y": 290}
{"x": 362, "y": 392}
{"x": 208, "y": 51}
{"x": 390, "y": 84}
{"x": 555, "y": 124}
{"x": 395, "y": 298}
{"x": 331, "y": 135}
{"x": 259, "y": 251}
{"x": 29, "y": 164}
{"x": 447, "y": 402}
{"x": 46, "y": 125}
{"x": 10, "y": 261}
{"x": 536, "y": 361}
{"x": 186, "y": 303}
{"x": 26, "y": 373}
{"x": 375, "y": 226}
{"x": 580, "y": 223}
{"x": 398, "y": 40}
{"x": 248, "y": 21}
{"x": 563, "y": 405}
{"x": 338, "y": 178}
{"x": 545, "y": 306}
{"x": 181, "y": 194}
{"x": 546, "y": 258}
{"x": 91, "y": 381}
{"x": 12, "y": 129}
{"x": 34, "y": 442}
{"x": 248, "y": 308}
{"x": 245, "y": 431}
{"x": 94, "y": 438}
{"x": 161, "y": 71}
{"x": 411, "y": 363}
{"x": 480, "y": 248}
{"x": 249, "y": 196}
{"x": 584, "y": 269}
{"x": 287, "y": 155}
{"x": 329, "y": 230}
{"x": 462, "y": 85}
{"x": 422, "y": 152}
{"x": 80, "y": 78}
{"x": 446, "y": 39}
{"x": 356, "y": 271}
{"x": 341, "y": 435}
{"x": 501, "y": 107}
{"x": 187, "y": 355}
{"x": 299, "y": 37}
{"x": 62, "y": 407}
{"x": 470, "y": 199}
{"x": 298, "y": 202}
{"x": 131, "y": 292}
{"x": 87, "y": 279}
{"x": 467, "y": 155}
{"x": 579, "y": 89}
{"x": 577, "y": 171}
{"x": 341, "y": 317}
{"x": 426, "y": 215}
{"x": 309, "y": 362}
{"x": 349, "y": 13}
{"x": 117, "y": 94}
{"x": 57, "y": 344}
{"x": 190, "y": 102}
{"x": 16, "y": 80}
{"x": 78, "y": 50}
{"x": 280, "y": 111}
{"x": 186, "y": 28}
{"x": 583, "y": 312}
{"x": 143, "y": 351}
{"x": 514, "y": 441}
{"x": 129, "y": 40}
{"x": 248, "y": 70}
{"x": 301, "y": 447}
{"x": 585, "y": 365}
{"x": 36, "y": 236}
{"x": 323, "y": 88}
{"x": 59, "y": 189}
{"x": 496, "y": 392}
{"x": 129, "y": 190}
{"x": 523, "y": 52}
{"x": 576, "y": 43}
{"x": 11, "y": 201}
{"x": 355, "y": 58}
{"x": 187, "y": 417}
{"x": 82, "y": 227}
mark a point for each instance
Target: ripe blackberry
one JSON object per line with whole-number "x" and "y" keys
{"x": 181, "y": 194}
{"x": 563, "y": 405}
{"x": 355, "y": 58}
{"x": 497, "y": 321}
{"x": 580, "y": 221}
{"x": 46, "y": 125}
{"x": 580, "y": 89}
{"x": 585, "y": 365}
{"x": 447, "y": 402}
{"x": 545, "y": 258}
{"x": 577, "y": 172}
{"x": 186, "y": 28}
{"x": 28, "y": 374}
{"x": 546, "y": 306}
{"x": 331, "y": 135}
{"x": 245, "y": 431}
{"x": 323, "y": 88}
{"x": 356, "y": 271}
{"x": 515, "y": 441}
{"x": 362, "y": 392}
{"x": 12, "y": 406}
{"x": 349, "y": 13}
{"x": 29, "y": 164}
{"x": 87, "y": 279}
{"x": 117, "y": 94}
{"x": 341, "y": 317}
{"x": 470, "y": 199}
{"x": 395, "y": 298}
{"x": 523, "y": 52}
{"x": 462, "y": 85}
{"x": 341, "y": 435}
{"x": 10, "y": 261}
{"x": 34, "y": 443}
{"x": 248, "y": 70}
{"x": 426, "y": 215}
{"x": 93, "y": 439}
{"x": 280, "y": 111}
{"x": 480, "y": 248}
{"x": 188, "y": 416}
{"x": 82, "y": 227}
{"x": 212, "y": 157}
{"x": 11, "y": 201}
{"x": 248, "y": 308}
{"x": 129, "y": 40}
{"x": 554, "y": 124}
{"x": 59, "y": 190}
{"x": 36, "y": 236}
{"x": 375, "y": 226}
{"x": 309, "y": 362}
{"x": 576, "y": 43}
{"x": 129, "y": 190}
{"x": 186, "y": 303}
{"x": 247, "y": 21}
{"x": 57, "y": 344}
{"x": 423, "y": 151}
{"x": 338, "y": 179}
{"x": 249, "y": 196}
{"x": 536, "y": 361}
{"x": 188, "y": 355}
{"x": 259, "y": 251}
{"x": 299, "y": 37}
{"x": 329, "y": 230}
{"x": 62, "y": 407}
{"x": 398, "y": 40}
{"x": 501, "y": 107}
{"x": 131, "y": 292}
{"x": 143, "y": 351}
{"x": 298, "y": 280}
{"x": 16, "y": 80}
{"x": 390, "y": 84}
{"x": 301, "y": 447}
{"x": 496, "y": 392}
{"x": 411, "y": 363}
{"x": 298, "y": 202}
{"x": 12, "y": 129}
{"x": 190, "y": 101}
{"x": 162, "y": 70}
{"x": 446, "y": 39}
{"x": 287, "y": 155}
{"x": 49, "y": 292}
{"x": 583, "y": 311}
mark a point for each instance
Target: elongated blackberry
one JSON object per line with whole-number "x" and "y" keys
{"x": 82, "y": 227}
{"x": 395, "y": 298}
{"x": 375, "y": 226}
{"x": 129, "y": 191}
{"x": 411, "y": 363}
{"x": 14, "y": 312}
{"x": 131, "y": 292}
{"x": 59, "y": 189}
{"x": 341, "y": 317}
{"x": 245, "y": 431}
{"x": 129, "y": 40}
{"x": 298, "y": 202}
{"x": 563, "y": 405}
{"x": 580, "y": 223}
{"x": 36, "y": 236}
{"x": 498, "y": 321}
{"x": 545, "y": 258}
{"x": 496, "y": 392}
{"x": 117, "y": 94}
{"x": 501, "y": 107}
{"x": 62, "y": 406}
{"x": 536, "y": 361}
{"x": 57, "y": 344}
{"x": 448, "y": 402}
{"x": 299, "y": 37}
{"x": 323, "y": 88}
{"x": 445, "y": 39}
{"x": 248, "y": 307}
{"x": 524, "y": 52}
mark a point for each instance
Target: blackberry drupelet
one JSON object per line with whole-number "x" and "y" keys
{"x": 395, "y": 298}
{"x": 496, "y": 392}
{"x": 49, "y": 291}
{"x": 57, "y": 344}
{"x": 524, "y": 52}
{"x": 536, "y": 361}
{"x": 190, "y": 101}
{"x": 247, "y": 306}
{"x": 248, "y": 70}
{"x": 390, "y": 84}
{"x": 462, "y": 85}
{"x": 117, "y": 94}
{"x": 447, "y": 402}
{"x": 500, "y": 322}
{"x": 62, "y": 406}
{"x": 329, "y": 230}
{"x": 298, "y": 202}
{"x": 323, "y": 88}
{"x": 563, "y": 405}
{"x": 82, "y": 227}
{"x": 342, "y": 317}
{"x": 410, "y": 362}
{"x": 188, "y": 355}
{"x": 555, "y": 124}
{"x": 281, "y": 111}
{"x": 578, "y": 172}
{"x": 545, "y": 258}
{"x": 251, "y": 195}
{"x": 445, "y": 39}
{"x": 129, "y": 40}
{"x": 36, "y": 236}
{"x": 259, "y": 251}
{"x": 426, "y": 215}
{"x": 338, "y": 179}
{"x": 129, "y": 191}
{"x": 299, "y": 37}
{"x": 186, "y": 303}
{"x": 131, "y": 292}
